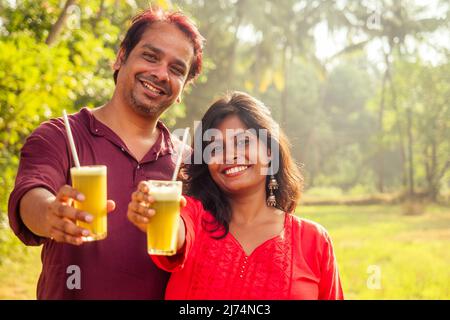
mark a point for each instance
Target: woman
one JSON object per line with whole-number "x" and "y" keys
{"x": 238, "y": 236}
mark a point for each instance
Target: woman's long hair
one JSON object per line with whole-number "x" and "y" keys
{"x": 255, "y": 115}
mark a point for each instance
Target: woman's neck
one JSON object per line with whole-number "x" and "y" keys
{"x": 251, "y": 207}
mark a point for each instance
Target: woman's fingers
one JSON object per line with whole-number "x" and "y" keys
{"x": 142, "y": 197}
{"x": 183, "y": 202}
{"x": 140, "y": 209}
{"x": 110, "y": 206}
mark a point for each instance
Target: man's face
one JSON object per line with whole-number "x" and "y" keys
{"x": 156, "y": 70}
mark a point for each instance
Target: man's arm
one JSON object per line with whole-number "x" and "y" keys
{"x": 53, "y": 217}
{"x": 33, "y": 207}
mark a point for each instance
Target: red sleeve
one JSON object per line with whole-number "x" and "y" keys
{"x": 330, "y": 284}
{"x": 43, "y": 163}
{"x": 191, "y": 217}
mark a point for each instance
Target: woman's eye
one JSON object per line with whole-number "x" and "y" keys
{"x": 218, "y": 149}
{"x": 242, "y": 142}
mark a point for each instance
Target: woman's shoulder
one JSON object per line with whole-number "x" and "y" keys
{"x": 309, "y": 230}
{"x": 194, "y": 207}
{"x": 194, "y": 202}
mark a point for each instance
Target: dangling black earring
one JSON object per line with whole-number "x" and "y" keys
{"x": 273, "y": 185}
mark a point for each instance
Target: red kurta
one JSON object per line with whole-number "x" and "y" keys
{"x": 297, "y": 264}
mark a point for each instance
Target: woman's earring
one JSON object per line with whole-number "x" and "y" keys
{"x": 273, "y": 185}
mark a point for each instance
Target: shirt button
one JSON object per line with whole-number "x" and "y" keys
{"x": 96, "y": 130}
{"x": 138, "y": 166}
{"x": 123, "y": 150}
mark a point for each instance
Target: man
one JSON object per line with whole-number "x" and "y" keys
{"x": 160, "y": 54}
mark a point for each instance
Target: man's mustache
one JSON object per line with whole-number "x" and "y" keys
{"x": 158, "y": 84}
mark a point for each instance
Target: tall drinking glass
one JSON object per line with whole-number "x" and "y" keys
{"x": 91, "y": 181}
{"x": 162, "y": 228}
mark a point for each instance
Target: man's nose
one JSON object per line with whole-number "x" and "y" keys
{"x": 161, "y": 73}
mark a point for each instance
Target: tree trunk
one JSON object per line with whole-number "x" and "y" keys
{"x": 410, "y": 152}
{"x": 57, "y": 27}
{"x": 232, "y": 53}
{"x": 97, "y": 18}
{"x": 380, "y": 156}
{"x": 284, "y": 92}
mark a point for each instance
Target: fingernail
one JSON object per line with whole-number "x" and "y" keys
{"x": 85, "y": 233}
{"x": 150, "y": 211}
{"x": 80, "y": 197}
{"x": 89, "y": 218}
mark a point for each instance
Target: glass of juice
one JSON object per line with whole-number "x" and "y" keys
{"x": 91, "y": 181}
{"x": 162, "y": 228}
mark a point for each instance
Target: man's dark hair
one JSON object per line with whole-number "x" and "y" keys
{"x": 144, "y": 20}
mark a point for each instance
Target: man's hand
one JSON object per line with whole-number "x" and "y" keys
{"x": 61, "y": 217}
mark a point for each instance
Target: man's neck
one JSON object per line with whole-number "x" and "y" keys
{"x": 125, "y": 122}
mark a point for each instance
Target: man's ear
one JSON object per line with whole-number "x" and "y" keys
{"x": 120, "y": 59}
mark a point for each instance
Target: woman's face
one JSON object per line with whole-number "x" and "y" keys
{"x": 238, "y": 158}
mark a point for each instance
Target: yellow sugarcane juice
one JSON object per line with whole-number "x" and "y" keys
{"x": 163, "y": 226}
{"x": 91, "y": 182}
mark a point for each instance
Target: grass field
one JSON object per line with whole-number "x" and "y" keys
{"x": 410, "y": 254}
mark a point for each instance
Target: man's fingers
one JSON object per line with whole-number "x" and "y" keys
{"x": 67, "y": 192}
{"x": 65, "y": 211}
{"x": 69, "y": 227}
{"x": 60, "y": 236}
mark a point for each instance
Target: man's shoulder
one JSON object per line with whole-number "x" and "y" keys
{"x": 176, "y": 142}
{"x": 54, "y": 129}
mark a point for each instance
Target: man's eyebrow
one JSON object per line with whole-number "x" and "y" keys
{"x": 179, "y": 62}
{"x": 152, "y": 48}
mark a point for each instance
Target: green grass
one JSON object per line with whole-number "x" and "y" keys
{"x": 19, "y": 267}
{"x": 412, "y": 252}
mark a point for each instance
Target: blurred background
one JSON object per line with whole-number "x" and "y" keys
{"x": 361, "y": 88}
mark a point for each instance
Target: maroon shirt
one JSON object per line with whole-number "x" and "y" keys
{"x": 117, "y": 267}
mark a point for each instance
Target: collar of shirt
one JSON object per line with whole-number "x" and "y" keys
{"x": 161, "y": 147}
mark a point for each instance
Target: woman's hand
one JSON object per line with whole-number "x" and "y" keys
{"x": 139, "y": 211}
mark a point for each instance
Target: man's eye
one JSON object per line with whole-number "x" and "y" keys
{"x": 178, "y": 71}
{"x": 150, "y": 57}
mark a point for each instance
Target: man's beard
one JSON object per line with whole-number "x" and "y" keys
{"x": 146, "y": 109}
